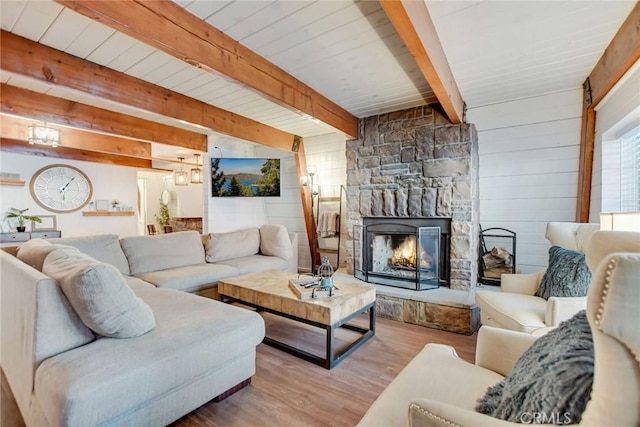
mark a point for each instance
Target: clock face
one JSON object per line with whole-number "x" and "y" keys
{"x": 61, "y": 188}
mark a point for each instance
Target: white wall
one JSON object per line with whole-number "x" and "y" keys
{"x": 109, "y": 182}
{"x": 327, "y": 152}
{"x": 529, "y": 153}
{"x": 617, "y": 113}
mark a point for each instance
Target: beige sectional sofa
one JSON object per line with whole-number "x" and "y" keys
{"x": 63, "y": 373}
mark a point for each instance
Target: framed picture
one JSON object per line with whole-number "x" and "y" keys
{"x": 245, "y": 177}
{"x": 48, "y": 223}
{"x": 102, "y": 205}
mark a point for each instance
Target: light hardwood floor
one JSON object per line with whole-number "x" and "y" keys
{"x": 287, "y": 391}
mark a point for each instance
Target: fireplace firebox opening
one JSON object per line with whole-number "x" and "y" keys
{"x": 410, "y": 253}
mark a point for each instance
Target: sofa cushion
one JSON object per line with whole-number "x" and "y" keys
{"x": 566, "y": 276}
{"x": 34, "y": 251}
{"x": 553, "y": 376}
{"x": 99, "y": 294}
{"x": 190, "y": 278}
{"x": 255, "y": 263}
{"x": 106, "y": 381}
{"x": 224, "y": 246}
{"x": 274, "y": 241}
{"x": 102, "y": 247}
{"x": 518, "y": 312}
{"x": 161, "y": 252}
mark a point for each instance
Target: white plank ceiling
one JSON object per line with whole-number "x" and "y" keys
{"x": 347, "y": 50}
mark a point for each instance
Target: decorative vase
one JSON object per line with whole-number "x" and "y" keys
{"x": 21, "y": 229}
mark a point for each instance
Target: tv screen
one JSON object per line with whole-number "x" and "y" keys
{"x": 245, "y": 177}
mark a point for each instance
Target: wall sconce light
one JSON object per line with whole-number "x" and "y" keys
{"x": 307, "y": 181}
{"x": 44, "y": 135}
{"x": 196, "y": 173}
{"x": 180, "y": 177}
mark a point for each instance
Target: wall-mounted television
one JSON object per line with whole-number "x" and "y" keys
{"x": 236, "y": 177}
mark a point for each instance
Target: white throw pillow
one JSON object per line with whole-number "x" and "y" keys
{"x": 238, "y": 244}
{"x": 274, "y": 241}
{"x": 99, "y": 294}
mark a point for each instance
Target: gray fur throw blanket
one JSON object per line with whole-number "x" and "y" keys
{"x": 551, "y": 382}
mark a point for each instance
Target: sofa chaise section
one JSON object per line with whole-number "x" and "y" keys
{"x": 199, "y": 349}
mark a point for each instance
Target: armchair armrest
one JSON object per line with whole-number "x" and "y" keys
{"x": 526, "y": 284}
{"x": 560, "y": 309}
{"x": 499, "y": 349}
{"x": 428, "y": 412}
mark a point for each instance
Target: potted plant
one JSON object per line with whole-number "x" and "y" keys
{"x": 164, "y": 218}
{"x": 20, "y": 215}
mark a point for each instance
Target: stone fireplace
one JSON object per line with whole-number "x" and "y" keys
{"x": 416, "y": 164}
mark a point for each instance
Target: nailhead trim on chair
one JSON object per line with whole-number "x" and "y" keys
{"x": 432, "y": 415}
{"x": 607, "y": 284}
{"x": 605, "y": 291}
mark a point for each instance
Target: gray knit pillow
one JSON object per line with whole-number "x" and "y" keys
{"x": 551, "y": 381}
{"x": 567, "y": 275}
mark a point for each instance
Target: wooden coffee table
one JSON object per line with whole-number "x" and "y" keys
{"x": 269, "y": 291}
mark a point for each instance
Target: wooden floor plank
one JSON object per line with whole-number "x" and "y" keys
{"x": 287, "y": 391}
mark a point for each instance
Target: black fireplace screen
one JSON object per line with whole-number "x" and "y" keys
{"x": 398, "y": 254}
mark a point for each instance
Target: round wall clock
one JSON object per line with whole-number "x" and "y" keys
{"x": 61, "y": 188}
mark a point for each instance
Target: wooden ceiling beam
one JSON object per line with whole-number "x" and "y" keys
{"x": 34, "y": 60}
{"x": 170, "y": 28}
{"x": 413, "y": 23}
{"x": 38, "y": 106}
{"x": 617, "y": 59}
{"x": 23, "y": 147}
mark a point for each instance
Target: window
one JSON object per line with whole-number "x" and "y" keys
{"x": 630, "y": 171}
{"x": 621, "y": 171}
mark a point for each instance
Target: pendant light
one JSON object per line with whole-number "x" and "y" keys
{"x": 43, "y": 135}
{"x": 180, "y": 177}
{"x": 196, "y": 173}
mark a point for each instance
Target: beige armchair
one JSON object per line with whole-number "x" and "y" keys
{"x": 438, "y": 389}
{"x": 517, "y": 308}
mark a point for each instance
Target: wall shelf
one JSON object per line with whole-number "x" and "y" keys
{"x": 11, "y": 182}
{"x": 107, "y": 213}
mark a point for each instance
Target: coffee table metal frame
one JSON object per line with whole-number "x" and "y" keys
{"x": 331, "y": 359}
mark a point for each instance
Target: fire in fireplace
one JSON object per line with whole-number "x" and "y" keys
{"x": 401, "y": 252}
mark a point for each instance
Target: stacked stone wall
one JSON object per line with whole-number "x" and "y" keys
{"x": 415, "y": 163}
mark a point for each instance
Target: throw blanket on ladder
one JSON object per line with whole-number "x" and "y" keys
{"x": 328, "y": 224}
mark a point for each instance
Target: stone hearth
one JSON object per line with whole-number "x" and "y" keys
{"x": 445, "y": 309}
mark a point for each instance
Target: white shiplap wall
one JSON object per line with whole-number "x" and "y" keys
{"x": 529, "y": 152}
{"x": 617, "y": 113}
{"x": 327, "y": 153}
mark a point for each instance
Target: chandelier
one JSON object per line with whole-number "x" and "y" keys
{"x": 180, "y": 177}
{"x": 44, "y": 135}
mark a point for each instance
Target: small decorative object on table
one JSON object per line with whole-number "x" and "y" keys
{"x": 318, "y": 286}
